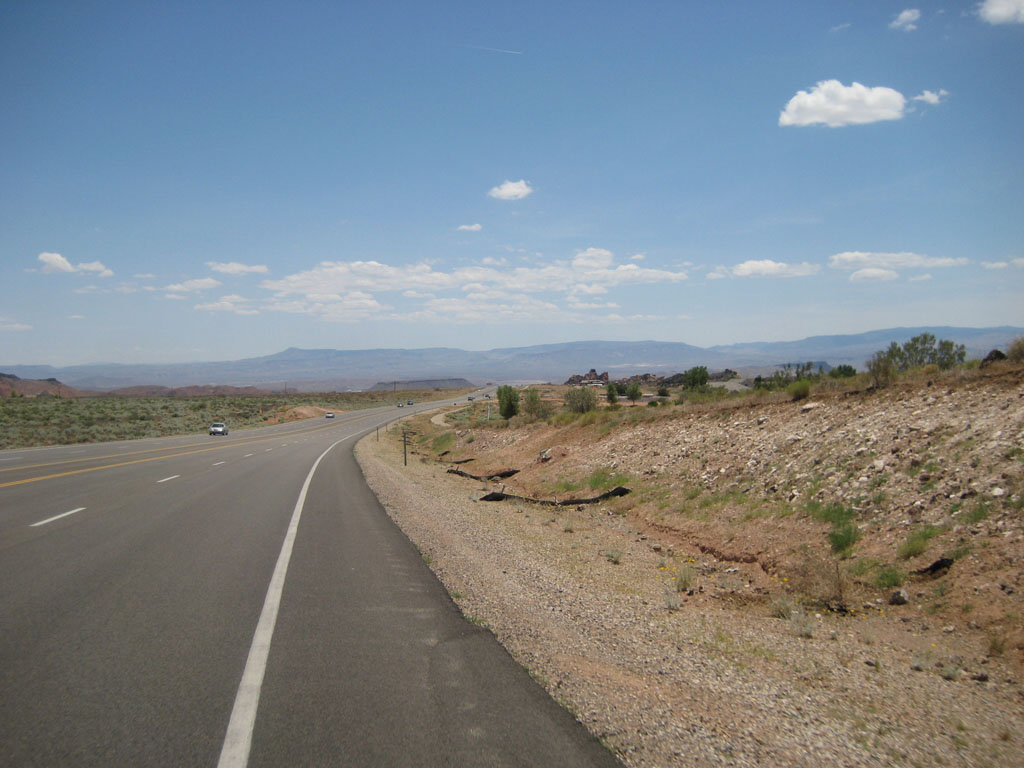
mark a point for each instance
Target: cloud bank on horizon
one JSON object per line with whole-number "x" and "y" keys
{"x": 854, "y": 172}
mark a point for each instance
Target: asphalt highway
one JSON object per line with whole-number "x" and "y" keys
{"x": 243, "y": 600}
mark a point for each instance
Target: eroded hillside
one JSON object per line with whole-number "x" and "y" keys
{"x": 839, "y": 500}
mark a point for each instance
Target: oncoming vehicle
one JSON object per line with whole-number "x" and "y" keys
{"x": 408, "y": 402}
{"x": 218, "y": 428}
{"x": 401, "y": 404}
{"x": 329, "y": 415}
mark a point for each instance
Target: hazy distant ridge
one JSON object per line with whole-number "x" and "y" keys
{"x": 328, "y": 369}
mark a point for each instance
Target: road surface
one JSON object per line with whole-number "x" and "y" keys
{"x": 243, "y": 600}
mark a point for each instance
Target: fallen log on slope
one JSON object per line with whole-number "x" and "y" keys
{"x": 501, "y": 496}
{"x": 496, "y": 476}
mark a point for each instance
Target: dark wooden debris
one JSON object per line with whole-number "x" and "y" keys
{"x": 500, "y": 496}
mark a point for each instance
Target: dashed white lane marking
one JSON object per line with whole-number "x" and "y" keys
{"x": 248, "y": 455}
{"x": 218, "y": 463}
{"x": 238, "y": 739}
{"x": 172, "y": 477}
{"x": 267, "y": 450}
{"x": 56, "y": 517}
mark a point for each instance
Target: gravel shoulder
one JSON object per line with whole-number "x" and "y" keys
{"x": 677, "y": 656}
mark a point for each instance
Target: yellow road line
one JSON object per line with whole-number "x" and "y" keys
{"x": 104, "y": 466}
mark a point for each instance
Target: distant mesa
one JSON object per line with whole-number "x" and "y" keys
{"x": 13, "y": 386}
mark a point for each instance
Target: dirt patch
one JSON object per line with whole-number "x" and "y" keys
{"x": 304, "y": 412}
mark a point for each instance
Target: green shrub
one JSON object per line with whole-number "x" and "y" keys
{"x": 799, "y": 390}
{"x": 890, "y": 576}
{"x": 917, "y": 541}
{"x": 881, "y": 368}
{"x": 843, "y": 537}
{"x": 605, "y": 478}
{"x": 580, "y": 400}
{"x": 612, "y": 393}
{"x": 508, "y": 401}
{"x": 843, "y": 372}
{"x": 696, "y": 378}
{"x": 1015, "y": 352}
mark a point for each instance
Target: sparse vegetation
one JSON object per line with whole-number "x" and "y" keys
{"x": 800, "y": 389}
{"x": 917, "y": 541}
{"x": 1015, "y": 352}
{"x": 508, "y": 401}
{"x": 890, "y": 576}
{"x": 30, "y": 421}
{"x": 580, "y": 400}
{"x": 919, "y": 352}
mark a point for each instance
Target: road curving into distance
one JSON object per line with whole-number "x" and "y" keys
{"x": 243, "y": 600}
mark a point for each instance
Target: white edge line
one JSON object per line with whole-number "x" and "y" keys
{"x": 238, "y": 739}
{"x": 56, "y": 517}
{"x": 172, "y": 477}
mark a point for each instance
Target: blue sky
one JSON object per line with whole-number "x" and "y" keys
{"x": 203, "y": 181}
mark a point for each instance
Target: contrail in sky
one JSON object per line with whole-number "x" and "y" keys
{"x": 494, "y": 50}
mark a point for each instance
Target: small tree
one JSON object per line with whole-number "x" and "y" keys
{"x": 612, "y": 394}
{"x": 633, "y": 392}
{"x": 696, "y": 378}
{"x": 1015, "y": 352}
{"x": 920, "y": 351}
{"x": 663, "y": 392}
{"x": 580, "y": 400}
{"x": 949, "y": 354}
{"x": 881, "y": 367}
{"x": 842, "y": 372}
{"x": 508, "y": 401}
{"x": 532, "y": 406}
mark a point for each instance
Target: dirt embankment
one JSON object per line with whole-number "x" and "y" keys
{"x": 762, "y": 597}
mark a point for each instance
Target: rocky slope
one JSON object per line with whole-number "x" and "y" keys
{"x": 735, "y": 608}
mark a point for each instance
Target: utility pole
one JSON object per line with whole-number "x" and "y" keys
{"x": 405, "y": 455}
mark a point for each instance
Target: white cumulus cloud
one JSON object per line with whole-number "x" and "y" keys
{"x": 874, "y": 267}
{"x": 835, "y": 105}
{"x": 907, "y": 20}
{"x": 511, "y": 190}
{"x": 470, "y": 227}
{"x": 231, "y": 303}
{"x": 331, "y": 289}
{"x": 235, "y": 268}
{"x": 1002, "y": 11}
{"x": 903, "y": 260}
{"x": 769, "y": 268}
{"x": 202, "y": 284}
{"x": 55, "y": 263}
{"x": 873, "y": 275}
{"x": 932, "y": 97}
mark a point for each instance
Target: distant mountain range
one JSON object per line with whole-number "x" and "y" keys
{"x": 313, "y": 370}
